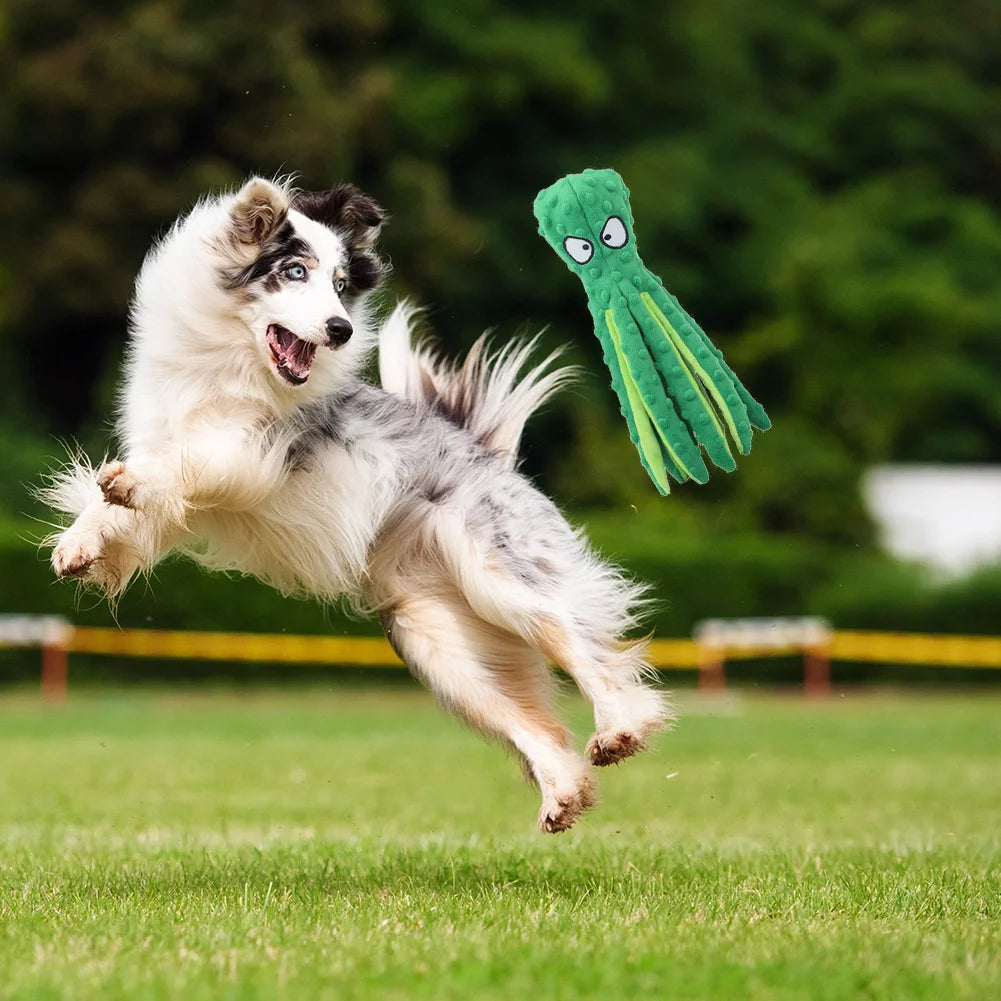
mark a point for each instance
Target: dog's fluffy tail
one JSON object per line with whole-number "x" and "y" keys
{"x": 492, "y": 395}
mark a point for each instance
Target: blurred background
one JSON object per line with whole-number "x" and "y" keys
{"x": 820, "y": 185}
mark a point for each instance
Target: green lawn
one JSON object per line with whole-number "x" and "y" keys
{"x": 359, "y": 844}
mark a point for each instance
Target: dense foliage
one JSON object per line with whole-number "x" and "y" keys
{"x": 818, "y": 183}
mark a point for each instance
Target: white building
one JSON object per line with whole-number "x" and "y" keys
{"x": 948, "y": 517}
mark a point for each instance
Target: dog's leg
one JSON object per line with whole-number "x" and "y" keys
{"x": 627, "y": 710}
{"x": 114, "y": 536}
{"x": 118, "y": 484}
{"x": 500, "y": 687}
{"x": 227, "y": 468}
{"x": 572, "y": 618}
{"x": 610, "y": 674}
{"x": 105, "y": 546}
{"x": 91, "y": 550}
{"x": 136, "y": 511}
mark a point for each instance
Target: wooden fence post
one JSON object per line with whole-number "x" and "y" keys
{"x": 817, "y": 671}
{"x": 712, "y": 668}
{"x": 55, "y": 668}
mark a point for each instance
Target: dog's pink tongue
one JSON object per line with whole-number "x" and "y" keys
{"x": 300, "y": 357}
{"x": 294, "y": 355}
{"x": 285, "y": 338}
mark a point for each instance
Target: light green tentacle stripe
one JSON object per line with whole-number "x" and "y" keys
{"x": 626, "y": 407}
{"x": 661, "y": 406}
{"x": 647, "y": 438}
{"x": 683, "y": 359}
{"x": 621, "y": 394}
{"x": 756, "y": 415}
{"x": 686, "y": 355}
{"x": 619, "y": 385}
{"x": 687, "y": 392}
{"x": 651, "y": 442}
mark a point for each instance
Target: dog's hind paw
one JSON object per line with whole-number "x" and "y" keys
{"x": 117, "y": 484}
{"x": 611, "y": 748}
{"x": 559, "y": 813}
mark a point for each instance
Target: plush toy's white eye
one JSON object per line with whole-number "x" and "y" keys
{"x": 580, "y": 250}
{"x": 613, "y": 233}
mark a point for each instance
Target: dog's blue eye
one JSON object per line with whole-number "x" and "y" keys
{"x": 340, "y": 285}
{"x": 296, "y": 272}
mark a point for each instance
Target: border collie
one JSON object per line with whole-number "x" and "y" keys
{"x": 250, "y": 442}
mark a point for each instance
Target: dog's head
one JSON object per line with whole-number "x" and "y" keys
{"x": 298, "y": 265}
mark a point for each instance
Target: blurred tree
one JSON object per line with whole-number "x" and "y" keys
{"x": 818, "y": 184}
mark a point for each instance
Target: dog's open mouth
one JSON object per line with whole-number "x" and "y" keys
{"x": 293, "y": 356}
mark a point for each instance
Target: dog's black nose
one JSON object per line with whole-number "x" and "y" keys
{"x": 339, "y": 331}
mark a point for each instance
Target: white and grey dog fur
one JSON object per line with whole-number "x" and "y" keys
{"x": 250, "y": 441}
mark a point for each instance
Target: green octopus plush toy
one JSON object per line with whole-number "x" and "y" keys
{"x": 676, "y": 391}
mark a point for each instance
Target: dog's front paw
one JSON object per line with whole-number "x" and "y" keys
{"x": 117, "y": 484}
{"x": 94, "y": 557}
{"x": 74, "y": 556}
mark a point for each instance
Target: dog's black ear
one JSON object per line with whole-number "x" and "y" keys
{"x": 260, "y": 208}
{"x": 357, "y": 217}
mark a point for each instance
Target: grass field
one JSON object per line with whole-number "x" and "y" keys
{"x": 358, "y": 844}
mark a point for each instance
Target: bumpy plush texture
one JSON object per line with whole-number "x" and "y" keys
{"x": 677, "y": 392}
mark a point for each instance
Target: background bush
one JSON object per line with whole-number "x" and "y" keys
{"x": 818, "y": 184}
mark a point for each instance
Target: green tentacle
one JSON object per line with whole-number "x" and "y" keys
{"x": 634, "y": 359}
{"x": 640, "y": 428}
{"x": 707, "y": 364}
{"x": 654, "y": 465}
{"x": 684, "y": 378}
{"x": 755, "y": 411}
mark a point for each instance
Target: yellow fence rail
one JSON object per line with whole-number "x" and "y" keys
{"x": 917, "y": 648}
{"x": 371, "y": 651}
{"x": 676, "y": 654}
{"x": 276, "y": 648}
